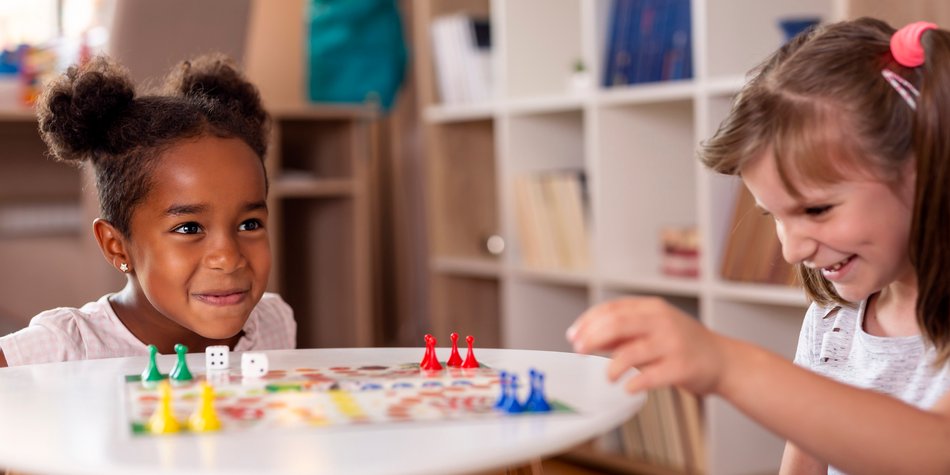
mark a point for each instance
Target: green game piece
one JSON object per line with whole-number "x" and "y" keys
{"x": 151, "y": 373}
{"x": 180, "y": 372}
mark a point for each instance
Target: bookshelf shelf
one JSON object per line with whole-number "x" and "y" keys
{"x": 467, "y": 267}
{"x": 633, "y": 150}
{"x": 761, "y": 293}
{"x": 647, "y": 93}
{"x": 667, "y": 286}
{"x": 546, "y": 105}
{"x": 459, "y": 113}
{"x": 312, "y": 188}
{"x": 553, "y": 277}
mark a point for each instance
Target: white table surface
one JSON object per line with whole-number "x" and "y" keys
{"x": 69, "y": 418}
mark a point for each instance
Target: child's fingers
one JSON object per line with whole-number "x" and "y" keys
{"x": 604, "y": 326}
{"x": 638, "y": 353}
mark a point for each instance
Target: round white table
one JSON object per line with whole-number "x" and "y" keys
{"x": 68, "y": 418}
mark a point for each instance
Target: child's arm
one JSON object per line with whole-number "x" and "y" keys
{"x": 796, "y": 462}
{"x": 856, "y": 430}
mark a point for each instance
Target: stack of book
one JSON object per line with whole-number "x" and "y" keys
{"x": 667, "y": 432}
{"x": 461, "y": 47}
{"x": 551, "y": 220}
{"x": 648, "y": 40}
{"x": 753, "y": 252}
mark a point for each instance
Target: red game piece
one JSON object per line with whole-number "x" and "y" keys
{"x": 425, "y": 357}
{"x": 455, "y": 359}
{"x": 432, "y": 361}
{"x": 470, "y": 361}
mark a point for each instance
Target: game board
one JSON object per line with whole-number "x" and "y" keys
{"x": 330, "y": 396}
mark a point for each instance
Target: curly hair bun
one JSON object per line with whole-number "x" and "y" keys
{"x": 215, "y": 77}
{"x": 78, "y": 109}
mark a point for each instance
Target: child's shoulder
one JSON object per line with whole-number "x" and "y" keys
{"x": 271, "y": 324}
{"x": 94, "y": 311}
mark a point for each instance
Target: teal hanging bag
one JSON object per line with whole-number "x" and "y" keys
{"x": 357, "y": 51}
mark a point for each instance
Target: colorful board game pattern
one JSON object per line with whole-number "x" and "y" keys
{"x": 308, "y": 397}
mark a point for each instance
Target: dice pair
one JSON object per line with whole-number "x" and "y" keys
{"x": 253, "y": 365}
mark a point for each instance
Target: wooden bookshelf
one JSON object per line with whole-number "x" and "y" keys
{"x": 321, "y": 168}
{"x": 636, "y": 145}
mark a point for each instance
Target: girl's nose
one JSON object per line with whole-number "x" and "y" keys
{"x": 224, "y": 253}
{"x": 797, "y": 246}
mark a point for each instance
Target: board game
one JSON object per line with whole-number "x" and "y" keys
{"x": 328, "y": 396}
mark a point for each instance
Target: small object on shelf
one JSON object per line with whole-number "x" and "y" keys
{"x": 470, "y": 361}
{"x": 455, "y": 359}
{"x": 253, "y": 365}
{"x": 581, "y": 80}
{"x": 163, "y": 419}
{"x": 495, "y": 245}
{"x": 180, "y": 371}
{"x": 151, "y": 373}
{"x": 792, "y": 26}
{"x": 680, "y": 251}
{"x": 205, "y": 419}
{"x": 217, "y": 358}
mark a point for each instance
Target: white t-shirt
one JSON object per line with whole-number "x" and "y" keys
{"x": 94, "y": 331}
{"x": 833, "y": 343}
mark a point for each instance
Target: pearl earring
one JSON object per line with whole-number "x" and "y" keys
{"x": 124, "y": 267}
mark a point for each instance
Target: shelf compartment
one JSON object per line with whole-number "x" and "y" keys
{"x": 540, "y": 56}
{"x": 321, "y": 149}
{"x": 726, "y": 43}
{"x": 462, "y": 179}
{"x": 737, "y": 444}
{"x": 468, "y": 306}
{"x": 319, "y": 241}
{"x": 645, "y": 163}
{"x": 538, "y": 314}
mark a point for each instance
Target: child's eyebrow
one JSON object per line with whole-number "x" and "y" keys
{"x": 256, "y": 205}
{"x": 183, "y": 209}
{"x": 178, "y": 210}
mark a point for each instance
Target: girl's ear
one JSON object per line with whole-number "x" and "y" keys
{"x": 112, "y": 244}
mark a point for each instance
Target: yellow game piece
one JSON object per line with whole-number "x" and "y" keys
{"x": 163, "y": 420}
{"x": 204, "y": 419}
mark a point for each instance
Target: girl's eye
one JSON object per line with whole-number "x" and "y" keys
{"x": 817, "y": 210}
{"x": 188, "y": 228}
{"x": 251, "y": 225}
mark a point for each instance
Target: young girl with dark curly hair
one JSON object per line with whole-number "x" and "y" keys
{"x": 182, "y": 193}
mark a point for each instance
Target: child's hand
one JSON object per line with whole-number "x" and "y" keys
{"x": 667, "y": 346}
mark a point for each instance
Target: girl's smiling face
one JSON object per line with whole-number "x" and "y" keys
{"x": 199, "y": 246}
{"x": 854, "y": 230}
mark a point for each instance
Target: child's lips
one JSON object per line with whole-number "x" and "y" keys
{"x": 222, "y": 297}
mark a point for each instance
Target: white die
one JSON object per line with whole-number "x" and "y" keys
{"x": 253, "y": 365}
{"x": 216, "y": 358}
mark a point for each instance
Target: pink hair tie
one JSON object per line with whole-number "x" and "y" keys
{"x": 905, "y": 44}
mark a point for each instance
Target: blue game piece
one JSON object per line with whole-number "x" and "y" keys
{"x": 536, "y": 401}
{"x": 512, "y": 406}
{"x": 503, "y": 394}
